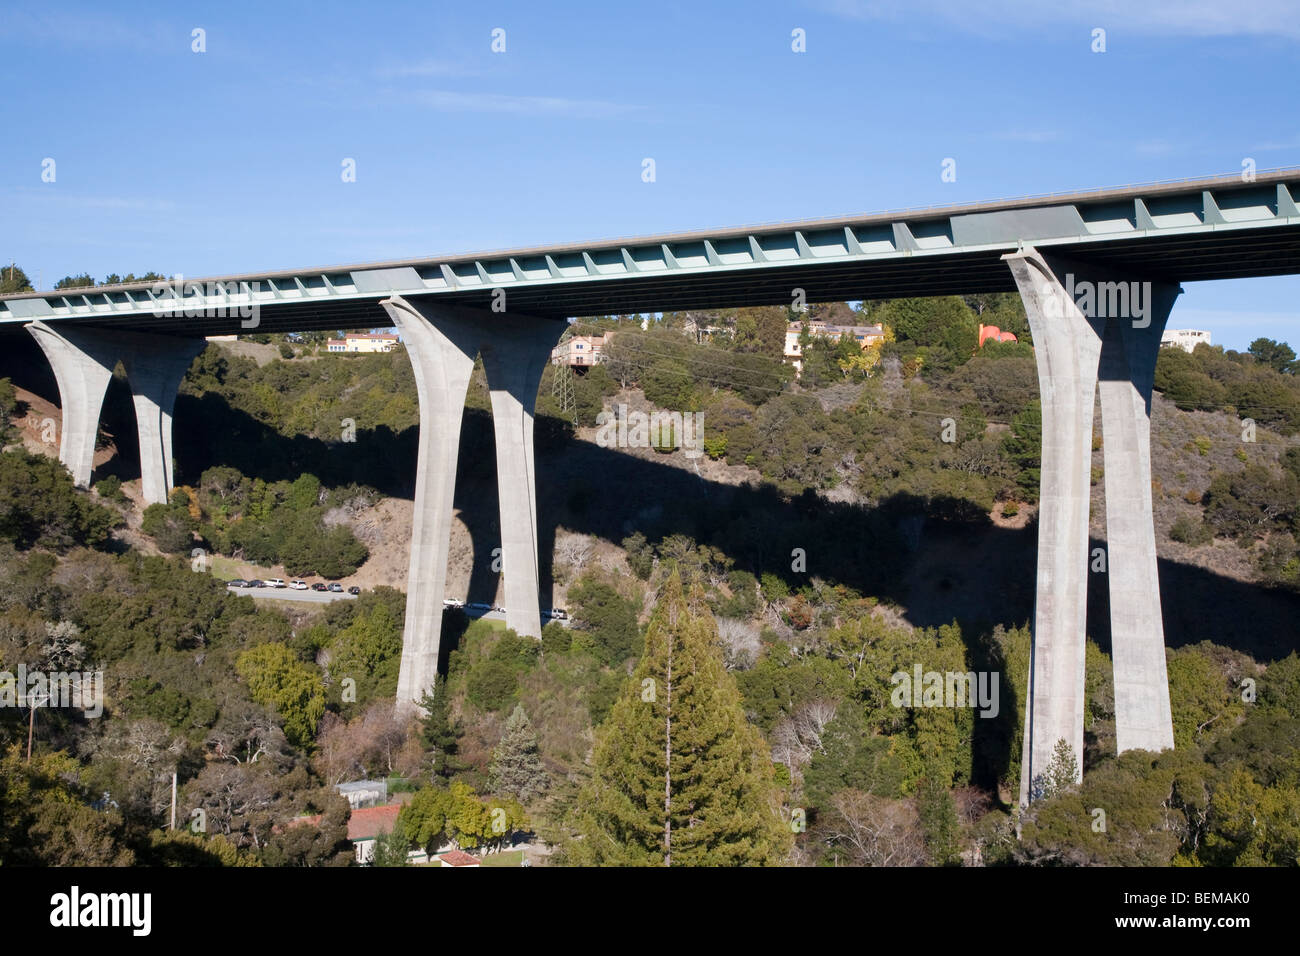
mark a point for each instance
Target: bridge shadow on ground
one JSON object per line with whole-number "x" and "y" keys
{"x": 934, "y": 559}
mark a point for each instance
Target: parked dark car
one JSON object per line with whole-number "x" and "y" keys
{"x": 319, "y": 587}
{"x": 255, "y": 584}
{"x": 354, "y": 590}
{"x": 237, "y": 583}
{"x": 336, "y": 587}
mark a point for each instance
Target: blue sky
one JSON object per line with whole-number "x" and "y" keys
{"x": 230, "y": 160}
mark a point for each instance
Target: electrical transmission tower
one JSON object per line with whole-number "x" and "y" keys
{"x": 562, "y": 391}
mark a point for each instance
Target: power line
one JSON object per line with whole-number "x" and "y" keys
{"x": 701, "y": 361}
{"x": 723, "y": 381}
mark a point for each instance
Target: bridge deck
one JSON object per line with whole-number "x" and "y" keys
{"x": 1188, "y": 230}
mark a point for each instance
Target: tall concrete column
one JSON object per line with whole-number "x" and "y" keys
{"x": 1089, "y": 325}
{"x": 1143, "y": 720}
{"x": 441, "y": 347}
{"x": 154, "y": 367}
{"x": 1067, "y": 347}
{"x": 442, "y": 342}
{"x": 514, "y": 363}
{"x": 83, "y": 365}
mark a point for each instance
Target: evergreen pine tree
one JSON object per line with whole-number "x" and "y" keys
{"x": 938, "y": 813}
{"x": 679, "y": 775}
{"x": 517, "y": 769}
{"x": 1062, "y": 771}
{"x": 439, "y": 730}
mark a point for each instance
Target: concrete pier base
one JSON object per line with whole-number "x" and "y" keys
{"x": 1071, "y": 345}
{"x": 83, "y": 361}
{"x": 442, "y": 342}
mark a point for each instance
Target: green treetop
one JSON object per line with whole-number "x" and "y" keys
{"x": 680, "y": 776}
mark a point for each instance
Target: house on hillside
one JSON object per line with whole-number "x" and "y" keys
{"x": 367, "y": 342}
{"x": 580, "y": 351}
{"x": 368, "y": 823}
{"x": 865, "y": 335}
{"x": 1185, "y": 339}
{"x": 703, "y": 332}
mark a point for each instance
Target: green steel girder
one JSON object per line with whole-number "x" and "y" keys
{"x": 1184, "y": 231}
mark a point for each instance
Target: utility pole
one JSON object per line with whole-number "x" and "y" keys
{"x": 173, "y": 800}
{"x": 33, "y": 703}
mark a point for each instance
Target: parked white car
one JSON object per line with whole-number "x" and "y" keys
{"x": 452, "y": 602}
{"x": 274, "y": 583}
{"x": 298, "y": 585}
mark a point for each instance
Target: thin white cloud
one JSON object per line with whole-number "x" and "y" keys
{"x": 86, "y": 29}
{"x": 1201, "y": 18}
{"x": 450, "y": 101}
{"x": 1154, "y": 147}
{"x": 1274, "y": 144}
{"x": 51, "y": 193}
{"x": 1028, "y": 136}
{"x": 426, "y": 68}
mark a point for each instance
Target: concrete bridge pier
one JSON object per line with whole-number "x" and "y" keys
{"x": 83, "y": 365}
{"x": 442, "y": 342}
{"x": 83, "y": 361}
{"x": 1143, "y": 719}
{"x": 1079, "y": 330}
{"x": 514, "y": 364}
{"x": 1067, "y": 347}
{"x": 154, "y": 368}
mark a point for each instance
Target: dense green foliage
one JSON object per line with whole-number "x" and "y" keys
{"x": 1258, "y": 384}
{"x": 458, "y": 814}
{"x": 39, "y": 508}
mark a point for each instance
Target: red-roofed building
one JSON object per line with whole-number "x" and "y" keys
{"x": 458, "y": 858}
{"x": 367, "y": 823}
{"x": 370, "y": 822}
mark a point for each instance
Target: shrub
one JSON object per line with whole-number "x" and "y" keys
{"x": 110, "y": 488}
{"x": 556, "y": 638}
{"x": 492, "y": 684}
{"x": 39, "y": 506}
{"x": 1186, "y": 531}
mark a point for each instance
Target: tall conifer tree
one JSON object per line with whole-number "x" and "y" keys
{"x": 516, "y": 763}
{"x": 680, "y": 777}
